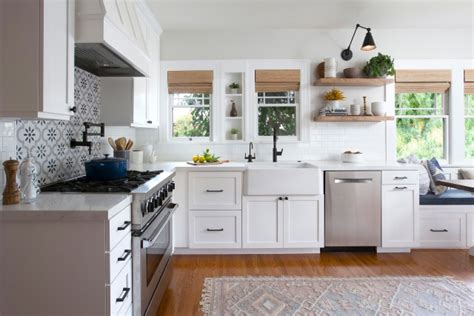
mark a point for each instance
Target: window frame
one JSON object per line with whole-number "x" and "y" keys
{"x": 187, "y": 139}
{"x": 445, "y": 117}
{"x": 465, "y": 118}
{"x": 296, "y": 105}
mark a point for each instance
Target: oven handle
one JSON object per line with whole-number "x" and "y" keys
{"x": 148, "y": 242}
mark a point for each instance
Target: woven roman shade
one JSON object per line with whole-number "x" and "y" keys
{"x": 422, "y": 80}
{"x": 192, "y": 81}
{"x": 277, "y": 80}
{"x": 469, "y": 81}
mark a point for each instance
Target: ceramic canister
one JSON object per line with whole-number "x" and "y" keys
{"x": 330, "y": 67}
{"x": 136, "y": 157}
{"x": 355, "y": 109}
{"x": 378, "y": 108}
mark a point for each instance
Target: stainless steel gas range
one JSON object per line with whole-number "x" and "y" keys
{"x": 152, "y": 241}
{"x": 152, "y": 229}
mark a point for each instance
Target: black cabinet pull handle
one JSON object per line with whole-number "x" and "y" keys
{"x": 400, "y": 178}
{"x": 124, "y": 295}
{"x": 149, "y": 121}
{"x": 125, "y": 255}
{"x": 401, "y": 188}
{"x": 439, "y": 230}
{"x": 215, "y": 229}
{"x": 215, "y": 191}
{"x": 124, "y": 226}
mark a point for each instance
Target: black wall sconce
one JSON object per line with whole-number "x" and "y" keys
{"x": 367, "y": 45}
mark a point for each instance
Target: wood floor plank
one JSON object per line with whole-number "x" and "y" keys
{"x": 189, "y": 271}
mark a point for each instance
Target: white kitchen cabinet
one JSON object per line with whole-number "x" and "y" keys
{"x": 215, "y": 190}
{"x": 215, "y": 229}
{"x": 37, "y": 59}
{"x": 443, "y": 230}
{"x": 134, "y": 101}
{"x": 303, "y": 222}
{"x": 262, "y": 218}
{"x": 283, "y": 222}
{"x": 400, "y": 216}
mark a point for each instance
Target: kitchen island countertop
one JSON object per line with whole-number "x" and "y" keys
{"x": 68, "y": 206}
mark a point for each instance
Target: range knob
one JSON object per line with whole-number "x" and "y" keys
{"x": 170, "y": 187}
{"x": 144, "y": 208}
{"x": 156, "y": 201}
{"x": 150, "y": 207}
{"x": 163, "y": 194}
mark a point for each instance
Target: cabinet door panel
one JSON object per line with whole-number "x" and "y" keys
{"x": 139, "y": 100}
{"x": 58, "y": 57}
{"x": 400, "y": 219}
{"x": 303, "y": 222}
{"x": 262, "y": 222}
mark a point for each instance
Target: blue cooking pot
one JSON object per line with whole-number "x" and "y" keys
{"x": 106, "y": 169}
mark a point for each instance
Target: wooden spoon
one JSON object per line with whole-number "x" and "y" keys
{"x": 121, "y": 143}
{"x": 129, "y": 144}
{"x": 112, "y": 143}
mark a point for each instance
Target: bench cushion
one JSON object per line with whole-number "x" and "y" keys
{"x": 450, "y": 197}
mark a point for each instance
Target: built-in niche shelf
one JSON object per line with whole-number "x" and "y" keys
{"x": 229, "y": 76}
{"x": 353, "y": 118}
{"x": 357, "y": 82}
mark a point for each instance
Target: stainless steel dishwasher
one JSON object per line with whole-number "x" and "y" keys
{"x": 352, "y": 208}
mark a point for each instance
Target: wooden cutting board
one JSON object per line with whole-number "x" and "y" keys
{"x": 220, "y": 162}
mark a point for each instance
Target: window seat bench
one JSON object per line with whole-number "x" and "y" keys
{"x": 450, "y": 197}
{"x": 447, "y": 220}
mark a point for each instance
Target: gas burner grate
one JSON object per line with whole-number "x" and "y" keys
{"x": 133, "y": 180}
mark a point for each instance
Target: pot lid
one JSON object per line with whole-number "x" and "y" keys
{"x": 107, "y": 159}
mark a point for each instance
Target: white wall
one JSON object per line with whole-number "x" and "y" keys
{"x": 327, "y": 140}
{"x": 316, "y": 44}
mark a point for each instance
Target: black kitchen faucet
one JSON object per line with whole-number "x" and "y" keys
{"x": 75, "y": 143}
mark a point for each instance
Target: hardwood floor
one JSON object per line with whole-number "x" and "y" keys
{"x": 184, "y": 292}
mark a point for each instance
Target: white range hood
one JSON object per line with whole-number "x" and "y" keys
{"x": 110, "y": 38}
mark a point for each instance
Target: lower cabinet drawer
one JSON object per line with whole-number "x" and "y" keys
{"x": 120, "y": 291}
{"x": 119, "y": 226}
{"x": 215, "y": 229}
{"x": 120, "y": 256}
{"x": 400, "y": 177}
{"x": 443, "y": 230}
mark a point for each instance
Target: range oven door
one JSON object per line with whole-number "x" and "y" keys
{"x": 154, "y": 248}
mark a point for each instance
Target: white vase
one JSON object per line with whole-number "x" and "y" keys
{"x": 234, "y": 91}
{"x": 333, "y": 104}
{"x": 234, "y": 136}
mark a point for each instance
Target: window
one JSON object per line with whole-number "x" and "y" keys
{"x": 280, "y": 109}
{"x": 469, "y": 126}
{"x": 421, "y": 119}
{"x": 421, "y": 112}
{"x": 190, "y": 114}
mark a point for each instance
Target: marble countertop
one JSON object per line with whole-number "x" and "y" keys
{"x": 93, "y": 206}
{"x": 242, "y": 166}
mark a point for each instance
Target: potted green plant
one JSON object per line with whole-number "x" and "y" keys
{"x": 234, "y": 88}
{"x": 380, "y": 66}
{"x": 234, "y": 133}
{"x": 333, "y": 98}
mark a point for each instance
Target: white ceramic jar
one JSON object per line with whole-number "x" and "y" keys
{"x": 330, "y": 67}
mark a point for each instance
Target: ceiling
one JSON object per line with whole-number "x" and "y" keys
{"x": 218, "y": 15}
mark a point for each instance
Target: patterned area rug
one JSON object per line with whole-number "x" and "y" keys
{"x": 336, "y": 296}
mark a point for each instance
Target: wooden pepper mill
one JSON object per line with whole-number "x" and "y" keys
{"x": 11, "y": 194}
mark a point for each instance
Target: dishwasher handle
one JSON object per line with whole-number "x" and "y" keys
{"x": 353, "y": 180}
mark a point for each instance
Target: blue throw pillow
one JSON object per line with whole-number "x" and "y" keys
{"x": 435, "y": 162}
{"x": 436, "y": 174}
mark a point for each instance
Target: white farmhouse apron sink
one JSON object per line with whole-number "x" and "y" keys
{"x": 282, "y": 178}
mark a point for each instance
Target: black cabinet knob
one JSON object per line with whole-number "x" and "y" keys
{"x": 149, "y": 122}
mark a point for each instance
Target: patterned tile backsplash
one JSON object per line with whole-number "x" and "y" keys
{"x": 48, "y": 141}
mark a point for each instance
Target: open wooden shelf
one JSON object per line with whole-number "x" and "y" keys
{"x": 361, "y": 82}
{"x": 353, "y": 118}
